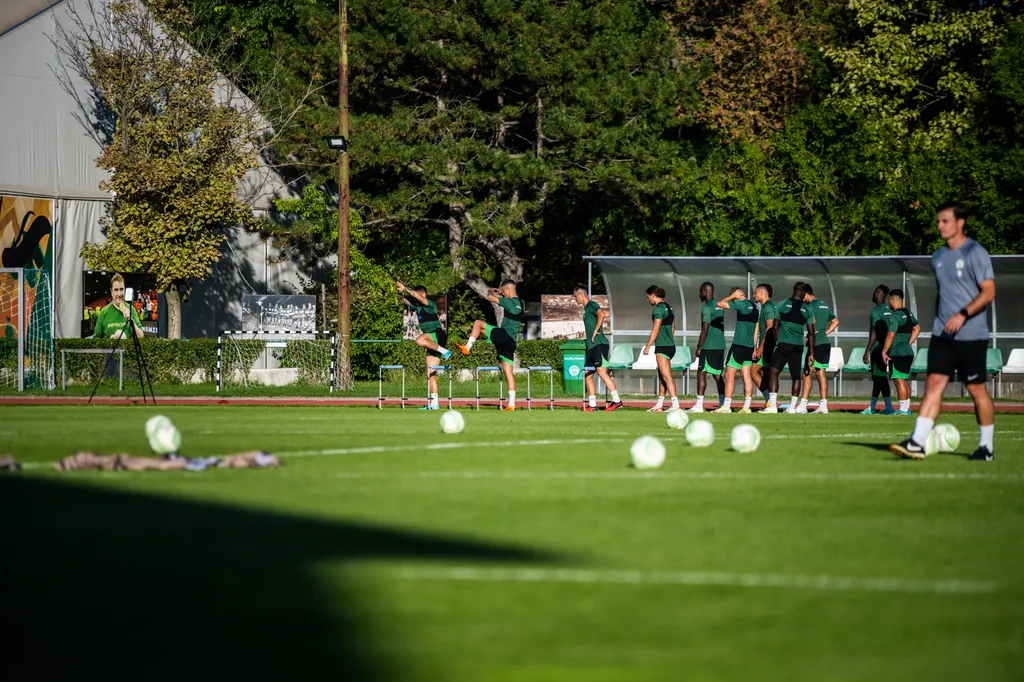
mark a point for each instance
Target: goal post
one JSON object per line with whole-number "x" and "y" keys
{"x": 26, "y": 329}
{"x": 312, "y": 357}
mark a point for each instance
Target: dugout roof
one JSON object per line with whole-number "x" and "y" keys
{"x": 846, "y": 283}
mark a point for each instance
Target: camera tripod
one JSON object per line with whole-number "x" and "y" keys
{"x": 140, "y": 359}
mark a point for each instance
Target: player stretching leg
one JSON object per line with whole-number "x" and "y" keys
{"x": 767, "y": 333}
{"x": 825, "y": 322}
{"x": 433, "y": 336}
{"x": 898, "y": 352}
{"x": 794, "y": 317}
{"x": 710, "y": 347}
{"x": 742, "y": 352}
{"x": 503, "y": 337}
{"x": 594, "y": 317}
{"x": 966, "y": 286}
{"x": 662, "y": 332}
{"x": 877, "y": 331}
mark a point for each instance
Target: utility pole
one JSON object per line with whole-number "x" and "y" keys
{"x": 344, "y": 264}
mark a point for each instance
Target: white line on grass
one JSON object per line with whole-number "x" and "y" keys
{"x": 764, "y": 580}
{"x": 796, "y": 476}
{"x": 451, "y": 445}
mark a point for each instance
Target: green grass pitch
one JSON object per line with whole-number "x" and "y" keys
{"x": 523, "y": 548}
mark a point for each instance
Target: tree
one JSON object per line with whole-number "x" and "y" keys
{"x": 182, "y": 141}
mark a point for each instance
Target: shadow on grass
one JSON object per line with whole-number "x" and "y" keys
{"x": 884, "y": 447}
{"x": 103, "y": 584}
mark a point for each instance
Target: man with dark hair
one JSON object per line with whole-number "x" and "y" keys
{"x": 877, "y": 330}
{"x": 594, "y": 317}
{"x": 710, "y": 346}
{"x": 433, "y": 336}
{"x": 898, "y": 351}
{"x": 503, "y": 337}
{"x": 767, "y": 333}
{"x": 794, "y": 318}
{"x": 662, "y": 338}
{"x": 825, "y": 322}
{"x": 112, "y": 322}
{"x": 742, "y": 352}
{"x": 966, "y": 287}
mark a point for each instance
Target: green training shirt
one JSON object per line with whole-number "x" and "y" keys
{"x": 768, "y": 312}
{"x": 901, "y": 323}
{"x": 793, "y": 317}
{"x": 515, "y": 314}
{"x": 746, "y": 320}
{"x": 715, "y": 317}
{"x": 663, "y": 311}
{"x": 111, "y": 320}
{"x": 822, "y": 316}
{"x": 590, "y": 324}
{"x": 880, "y": 323}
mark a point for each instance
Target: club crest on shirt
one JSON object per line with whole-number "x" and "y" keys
{"x": 960, "y": 267}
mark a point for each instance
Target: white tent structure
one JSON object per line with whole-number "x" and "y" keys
{"x": 49, "y": 143}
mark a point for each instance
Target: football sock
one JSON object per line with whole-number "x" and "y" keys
{"x": 823, "y": 402}
{"x": 433, "y": 400}
{"x": 904, "y": 406}
{"x": 746, "y": 403}
{"x": 874, "y": 401}
{"x": 766, "y": 394}
{"x": 792, "y": 402}
{"x": 922, "y": 428}
{"x": 888, "y": 402}
{"x": 727, "y": 403}
{"x": 721, "y": 400}
{"x": 470, "y": 342}
{"x": 592, "y": 400}
{"x": 803, "y": 402}
{"x": 442, "y": 351}
{"x": 773, "y": 399}
{"x": 700, "y": 401}
{"x": 987, "y": 433}
{"x": 661, "y": 401}
{"x": 511, "y": 398}
{"x": 615, "y": 397}
{"x": 675, "y": 402}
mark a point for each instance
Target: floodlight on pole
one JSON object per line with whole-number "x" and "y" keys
{"x": 337, "y": 142}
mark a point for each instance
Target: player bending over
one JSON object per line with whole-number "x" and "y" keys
{"x": 794, "y": 318}
{"x": 663, "y": 330}
{"x": 433, "y": 336}
{"x": 966, "y": 286}
{"x": 825, "y": 322}
{"x": 897, "y": 351}
{"x": 594, "y": 317}
{"x": 742, "y": 352}
{"x": 877, "y": 331}
{"x": 710, "y": 346}
{"x": 767, "y": 333}
{"x": 504, "y": 337}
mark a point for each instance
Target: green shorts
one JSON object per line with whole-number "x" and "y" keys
{"x": 822, "y": 351}
{"x": 901, "y": 366}
{"x": 504, "y": 344}
{"x": 739, "y": 357}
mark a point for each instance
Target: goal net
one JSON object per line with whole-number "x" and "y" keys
{"x": 278, "y": 359}
{"x": 26, "y": 329}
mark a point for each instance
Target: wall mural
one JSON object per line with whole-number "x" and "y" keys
{"x": 26, "y": 241}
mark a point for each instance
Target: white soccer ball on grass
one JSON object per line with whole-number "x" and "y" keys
{"x": 153, "y": 423}
{"x": 647, "y": 452}
{"x": 700, "y": 433}
{"x": 166, "y": 439}
{"x": 947, "y": 437}
{"x": 745, "y": 438}
{"x": 931, "y": 443}
{"x": 452, "y": 422}
{"x": 677, "y": 419}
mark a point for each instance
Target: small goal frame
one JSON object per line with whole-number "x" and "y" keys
{"x": 270, "y": 336}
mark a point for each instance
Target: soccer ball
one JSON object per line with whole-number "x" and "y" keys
{"x": 931, "y": 443}
{"x": 166, "y": 439}
{"x": 452, "y": 422}
{"x": 700, "y": 433}
{"x": 948, "y": 437}
{"x": 745, "y": 438}
{"x": 677, "y": 419}
{"x": 647, "y": 452}
{"x": 153, "y": 423}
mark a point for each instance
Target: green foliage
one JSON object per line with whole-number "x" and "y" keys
{"x": 169, "y": 361}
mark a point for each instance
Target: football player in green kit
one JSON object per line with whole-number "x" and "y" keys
{"x": 825, "y": 322}
{"x": 661, "y": 338}
{"x": 503, "y": 337}
{"x": 877, "y": 331}
{"x": 898, "y": 351}
{"x": 742, "y": 352}
{"x": 433, "y": 336}
{"x": 710, "y": 346}
{"x": 597, "y": 351}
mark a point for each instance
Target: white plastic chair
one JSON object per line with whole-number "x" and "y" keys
{"x": 1015, "y": 363}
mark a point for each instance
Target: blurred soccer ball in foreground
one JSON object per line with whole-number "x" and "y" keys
{"x": 700, "y": 433}
{"x": 166, "y": 439}
{"x": 745, "y": 438}
{"x": 452, "y": 422}
{"x": 153, "y": 423}
{"x": 677, "y": 419}
{"x": 948, "y": 437}
{"x": 647, "y": 452}
{"x": 931, "y": 443}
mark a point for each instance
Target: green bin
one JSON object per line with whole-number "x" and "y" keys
{"x": 574, "y": 353}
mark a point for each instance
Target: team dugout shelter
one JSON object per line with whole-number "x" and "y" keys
{"x": 845, "y": 283}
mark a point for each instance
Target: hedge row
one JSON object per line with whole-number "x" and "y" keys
{"x": 184, "y": 361}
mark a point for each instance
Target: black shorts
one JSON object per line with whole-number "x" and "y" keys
{"x": 668, "y": 351}
{"x": 790, "y": 354}
{"x": 712, "y": 361}
{"x": 878, "y": 366}
{"x": 739, "y": 356}
{"x": 504, "y": 345}
{"x": 440, "y": 338}
{"x": 597, "y": 356}
{"x": 822, "y": 354}
{"x": 964, "y": 358}
{"x": 901, "y": 366}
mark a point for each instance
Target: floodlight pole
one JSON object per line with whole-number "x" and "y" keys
{"x": 344, "y": 264}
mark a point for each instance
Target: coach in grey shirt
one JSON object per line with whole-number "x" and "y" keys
{"x": 966, "y": 287}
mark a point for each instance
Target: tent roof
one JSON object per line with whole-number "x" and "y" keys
{"x": 17, "y": 12}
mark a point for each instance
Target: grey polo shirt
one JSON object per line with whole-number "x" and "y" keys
{"x": 958, "y": 274}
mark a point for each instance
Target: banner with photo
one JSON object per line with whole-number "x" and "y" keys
{"x": 411, "y": 328}
{"x": 561, "y": 317}
{"x": 26, "y": 241}
{"x": 278, "y": 313}
{"x": 148, "y": 303}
